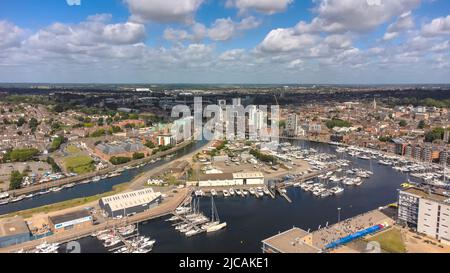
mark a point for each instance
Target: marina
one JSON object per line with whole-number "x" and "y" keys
{"x": 247, "y": 218}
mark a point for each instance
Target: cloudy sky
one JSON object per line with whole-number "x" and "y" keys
{"x": 225, "y": 41}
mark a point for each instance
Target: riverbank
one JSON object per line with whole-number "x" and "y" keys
{"x": 79, "y": 178}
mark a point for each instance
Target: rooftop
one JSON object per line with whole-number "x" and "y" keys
{"x": 13, "y": 226}
{"x": 290, "y": 242}
{"x": 130, "y": 199}
{"x": 69, "y": 217}
{"x": 433, "y": 195}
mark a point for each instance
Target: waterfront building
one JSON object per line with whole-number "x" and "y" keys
{"x": 400, "y": 146}
{"x": 13, "y": 231}
{"x": 231, "y": 179}
{"x": 130, "y": 202}
{"x": 166, "y": 140}
{"x": 292, "y": 125}
{"x": 295, "y": 240}
{"x": 70, "y": 221}
{"x": 426, "y": 211}
{"x": 125, "y": 149}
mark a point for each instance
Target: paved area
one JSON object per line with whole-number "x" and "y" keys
{"x": 421, "y": 244}
{"x": 327, "y": 235}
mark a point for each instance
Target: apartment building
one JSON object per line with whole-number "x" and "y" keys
{"x": 427, "y": 211}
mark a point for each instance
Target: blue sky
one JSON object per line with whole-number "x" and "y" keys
{"x": 226, "y": 41}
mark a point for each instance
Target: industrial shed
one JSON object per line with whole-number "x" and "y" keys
{"x": 231, "y": 179}
{"x": 130, "y": 202}
{"x": 13, "y": 231}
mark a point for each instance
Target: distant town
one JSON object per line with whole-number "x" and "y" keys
{"x": 98, "y": 161}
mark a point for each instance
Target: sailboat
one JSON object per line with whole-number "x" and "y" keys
{"x": 215, "y": 224}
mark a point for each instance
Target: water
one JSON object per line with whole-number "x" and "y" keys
{"x": 251, "y": 220}
{"x": 91, "y": 189}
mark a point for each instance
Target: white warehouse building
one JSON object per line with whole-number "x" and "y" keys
{"x": 231, "y": 179}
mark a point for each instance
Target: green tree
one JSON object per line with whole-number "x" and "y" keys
{"x": 435, "y": 134}
{"x": 119, "y": 160}
{"x": 150, "y": 144}
{"x": 138, "y": 155}
{"x": 21, "y": 121}
{"x": 15, "y": 180}
{"x": 421, "y": 124}
{"x": 402, "y": 123}
{"x": 33, "y": 124}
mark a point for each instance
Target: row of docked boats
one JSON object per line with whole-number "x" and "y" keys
{"x": 190, "y": 221}
{"x": 43, "y": 248}
{"x": 319, "y": 189}
{"x": 125, "y": 240}
{"x": 257, "y": 192}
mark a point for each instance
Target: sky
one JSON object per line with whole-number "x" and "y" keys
{"x": 225, "y": 41}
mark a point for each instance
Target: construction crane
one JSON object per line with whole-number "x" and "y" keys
{"x": 276, "y": 99}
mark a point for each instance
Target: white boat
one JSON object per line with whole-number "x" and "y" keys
{"x": 17, "y": 199}
{"x": 232, "y": 193}
{"x": 4, "y": 202}
{"x": 56, "y": 189}
{"x": 216, "y": 227}
{"x": 337, "y": 190}
{"x": 112, "y": 242}
{"x": 215, "y": 224}
{"x": 96, "y": 179}
{"x": 193, "y": 232}
{"x": 226, "y": 193}
{"x": 252, "y": 191}
{"x": 213, "y": 192}
{"x": 245, "y": 192}
{"x": 173, "y": 218}
{"x": 199, "y": 193}
{"x": 266, "y": 191}
{"x": 238, "y": 192}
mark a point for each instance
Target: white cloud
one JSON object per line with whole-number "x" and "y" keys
{"x": 11, "y": 35}
{"x": 403, "y": 22}
{"x": 73, "y": 2}
{"x": 263, "y": 6}
{"x": 439, "y": 26}
{"x": 285, "y": 40}
{"x": 163, "y": 11}
{"x": 355, "y": 15}
{"x": 222, "y": 29}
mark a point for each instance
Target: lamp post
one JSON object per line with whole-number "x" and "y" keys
{"x": 339, "y": 215}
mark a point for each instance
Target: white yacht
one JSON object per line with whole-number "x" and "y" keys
{"x": 232, "y": 193}
{"x": 226, "y": 193}
{"x": 213, "y": 192}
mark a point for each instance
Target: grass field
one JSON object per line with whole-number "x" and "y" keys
{"x": 79, "y": 164}
{"x": 72, "y": 149}
{"x": 391, "y": 241}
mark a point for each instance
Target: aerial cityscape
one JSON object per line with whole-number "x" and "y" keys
{"x": 190, "y": 126}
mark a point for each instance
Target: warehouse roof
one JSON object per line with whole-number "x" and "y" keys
{"x": 13, "y": 226}
{"x": 216, "y": 176}
{"x": 130, "y": 199}
{"x": 121, "y": 147}
{"x": 69, "y": 216}
{"x": 248, "y": 175}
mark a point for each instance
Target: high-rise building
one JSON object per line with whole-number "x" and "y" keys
{"x": 426, "y": 211}
{"x": 292, "y": 125}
